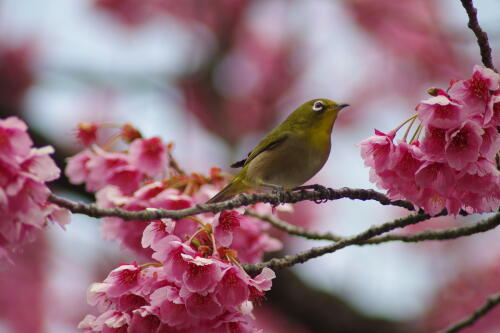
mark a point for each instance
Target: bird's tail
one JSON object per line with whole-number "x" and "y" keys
{"x": 230, "y": 190}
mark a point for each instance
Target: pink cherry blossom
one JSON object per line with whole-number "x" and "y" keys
{"x": 224, "y": 225}
{"x": 87, "y": 133}
{"x": 14, "y": 139}
{"x": 432, "y": 201}
{"x": 437, "y": 176}
{"x": 171, "y": 307}
{"x": 203, "y": 306}
{"x": 201, "y": 275}
{"x": 453, "y": 166}
{"x": 76, "y": 169}
{"x": 492, "y": 114}
{"x": 377, "y": 149}
{"x": 122, "y": 279}
{"x": 169, "y": 252}
{"x": 102, "y": 167}
{"x": 156, "y": 231}
{"x": 195, "y": 282}
{"x": 463, "y": 144}
{"x": 407, "y": 160}
{"x": 233, "y": 288}
{"x": 490, "y": 145}
{"x": 434, "y": 143}
{"x": 23, "y": 192}
{"x": 250, "y": 242}
{"x": 148, "y": 155}
{"x": 440, "y": 112}
{"x": 474, "y": 93}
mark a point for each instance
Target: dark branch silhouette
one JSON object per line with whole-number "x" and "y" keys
{"x": 481, "y": 35}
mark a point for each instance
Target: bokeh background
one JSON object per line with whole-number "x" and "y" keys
{"x": 212, "y": 76}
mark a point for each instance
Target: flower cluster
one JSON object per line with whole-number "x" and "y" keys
{"x": 23, "y": 192}
{"x": 187, "y": 291}
{"x": 196, "y": 283}
{"x": 244, "y": 234}
{"x": 454, "y": 165}
{"x": 97, "y": 168}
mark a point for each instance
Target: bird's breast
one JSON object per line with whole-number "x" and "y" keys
{"x": 292, "y": 163}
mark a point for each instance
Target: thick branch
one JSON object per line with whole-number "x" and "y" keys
{"x": 244, "y": 199}
{"x": 315, "y": 252}
{"x": 482, "y": 37}
{"x": 482, "y": 311}
{"x": 445, "y": 234}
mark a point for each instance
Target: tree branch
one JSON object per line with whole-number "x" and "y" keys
{"x": 482, "y": 37}
{"x": 315, "y": 252}
{"x": 481, "y": 312}
{"x": 245, "y": 199}
{"x": 445, "y": 234}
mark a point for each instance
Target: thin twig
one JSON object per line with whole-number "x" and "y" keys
{"x": 481, "y": 312}
{"x": 427, "y": 235}
{"x": 482, "y": 37}
{"x": 315, "y": 252}
{"x": 174, "y": 165}
{"x": 244, "y": 199}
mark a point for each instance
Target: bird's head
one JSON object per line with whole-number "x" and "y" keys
{"x": 319, "y": 113}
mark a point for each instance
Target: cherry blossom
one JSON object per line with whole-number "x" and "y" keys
{"x": 453, "y": 166}
{"x": 24, "y": 170}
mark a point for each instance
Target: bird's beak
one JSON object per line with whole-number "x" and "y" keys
{"x": 341, "y": 106}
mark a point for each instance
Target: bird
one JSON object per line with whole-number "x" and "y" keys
{"x": 290, "y": 155}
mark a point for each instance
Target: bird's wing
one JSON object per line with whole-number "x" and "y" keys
{"x": 270, "y": 142}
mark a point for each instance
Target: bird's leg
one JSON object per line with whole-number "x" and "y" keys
{"x": 277, "y": 189}
{"x": 323, "y": 191}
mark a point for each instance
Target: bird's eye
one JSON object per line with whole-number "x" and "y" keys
{"x": 318, "y": 106}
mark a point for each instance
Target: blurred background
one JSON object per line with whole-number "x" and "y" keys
{"x": 213, "y": 77}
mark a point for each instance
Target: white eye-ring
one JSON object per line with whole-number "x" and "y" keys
{"x": 318, "y": 106}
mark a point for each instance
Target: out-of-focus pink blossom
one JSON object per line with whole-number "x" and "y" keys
{"x": 219, "y": 16}
{"x": 23, "y": 293}
{"x": 461, "y": 296}
{"x": 87, "y": 133}
{"x": 416, "y": 36}
{"x": 16, "y": 74}
{"x": 250, "y": 55}
{"x": 23, "y": 192}
{"x": 148, "y": 155}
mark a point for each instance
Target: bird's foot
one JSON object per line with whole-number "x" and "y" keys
{"x": 322, "y": 191}
{"x": 277, "y": 190}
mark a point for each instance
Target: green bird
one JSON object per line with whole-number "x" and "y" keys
{"x": 291, "y": 154}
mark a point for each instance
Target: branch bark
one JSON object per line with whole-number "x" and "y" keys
{"x": 315, "y": 252}
{"x": 427, "y": 235}
{"x": 481, "y": 35}
{"x": 245, "y": 199}
{"x": 491, "y": 303}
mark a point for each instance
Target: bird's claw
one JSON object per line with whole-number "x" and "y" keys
{"x": 280, "y": 193}
{"x": 322, "y": 190}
